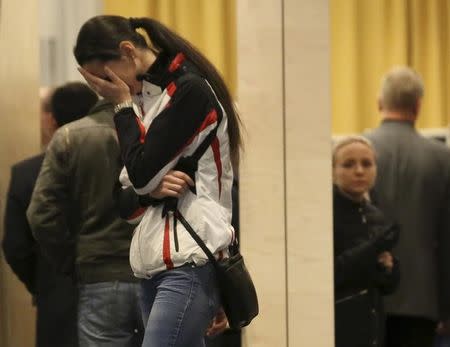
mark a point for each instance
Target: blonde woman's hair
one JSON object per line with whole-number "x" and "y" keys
{"x": 349, "y": 140}
{"x": 401, "y": 89}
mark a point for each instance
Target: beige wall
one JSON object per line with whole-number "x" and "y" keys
{"x": 19, "y": 138}
{"x": 283, "y": 95}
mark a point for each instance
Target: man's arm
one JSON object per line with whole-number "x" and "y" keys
{"x": 50, "y": 205}
{"x": 19, "y": 246}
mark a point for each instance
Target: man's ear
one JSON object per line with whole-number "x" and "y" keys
{"x": 379, "y": 105}
{"x": 417, "y": 108}
{"x": 53, "y": 122}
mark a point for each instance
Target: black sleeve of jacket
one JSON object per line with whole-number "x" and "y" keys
{"x": 130, "y": 202}
{"x": 353, "y": 261}
{"x": 443, "y": 254}
{"x": 19, "y": 246}
{"x": 49, "y": 210}
{"x": 147, "y": 157}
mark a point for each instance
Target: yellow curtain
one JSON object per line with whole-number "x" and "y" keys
{"x": 209, "y": 24}
{"x": 368, "y": 37}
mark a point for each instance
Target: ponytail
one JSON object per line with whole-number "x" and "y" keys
{"x": 165, "y": 40}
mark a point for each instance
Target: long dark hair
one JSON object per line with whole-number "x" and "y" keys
{"x": 99, "y": 39}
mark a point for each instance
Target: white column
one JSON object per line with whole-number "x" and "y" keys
{"x": 308, "y": 173}
{"x": 286, "y": 211}
{"x": 262, "y": 196}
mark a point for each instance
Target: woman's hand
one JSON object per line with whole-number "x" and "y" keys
{"x": 173, "y": 184}
{"x": 387, "y": 260}
{"x": 218, "y": 324}
{"x": 115, "y": 90}
{"x": 443, "y": 328}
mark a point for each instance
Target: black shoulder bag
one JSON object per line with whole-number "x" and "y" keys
{"x": 238, "y": 294}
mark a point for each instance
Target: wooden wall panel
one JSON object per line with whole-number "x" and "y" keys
{"x": 19, "y": 138}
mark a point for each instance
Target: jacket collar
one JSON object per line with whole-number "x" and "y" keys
{"x": 397, "y": 122}
{"x": 341, "y": 199}
{"x": 101, "y": 105}
{"x": 166, "y": 69}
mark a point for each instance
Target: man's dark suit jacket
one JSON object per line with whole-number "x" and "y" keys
{"x": 413, "y": 188}
{"x": 55, "y": 295}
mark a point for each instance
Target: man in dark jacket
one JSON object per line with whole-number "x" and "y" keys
{"x": 413, "y": 188}
{"x": 53, "y": 293}
{"x": 74, "y": 216}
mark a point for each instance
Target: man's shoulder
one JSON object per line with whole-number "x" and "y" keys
{"x": 373, "y": 133}
{"x": 29, "y": 163}
{"x": 102, "y": 119}
{"x": 379, "y": 131}
{"x": 24, "y": 174}
{"x": 438, "y": 148}
{"x": 93, "y": 127}
{"x": 101, "y": 115}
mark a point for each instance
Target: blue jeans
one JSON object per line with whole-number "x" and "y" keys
{"x": 178, "y": 306}
{"x": 109, "y": 315}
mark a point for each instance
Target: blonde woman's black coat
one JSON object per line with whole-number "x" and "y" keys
{"x": 361, "y": 233}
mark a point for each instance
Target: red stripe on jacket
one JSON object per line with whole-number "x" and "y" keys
{"x": 166, "y": 245}
{"x": 171, "y": 89}
{"x": 140, "y": 211}
{"x": 176, "y": 62}
{"x": 215, "y": 145}
{"x": 210, "y": 119}
{"x": 141, "y": 130}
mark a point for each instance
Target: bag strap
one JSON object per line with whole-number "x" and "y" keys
{"x": 195, "y": 236}
{"x": 193, "y": 161}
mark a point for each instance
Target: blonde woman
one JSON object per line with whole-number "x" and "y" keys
{"x": 364, "y": 267}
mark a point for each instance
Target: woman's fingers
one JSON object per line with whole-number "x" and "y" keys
{"x": 161, "y": 193}
{"x": 386, "y": 259}
{"x": 218, "y": 324}
{"x": 174, "y": 180}
{"x": 173, "y": 184}
{"x": 174, "y": 187}
{"x": 170, "y": 193}
{"x": 114, "y": 78}
{"x": 90, "y": 78}
{"x": 385, "y": 255}
{"x": 113, "y": 89}
{"x": 100, "y": 86}
{"x": 181, "y": 175}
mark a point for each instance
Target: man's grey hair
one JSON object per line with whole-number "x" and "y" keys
{"x": 401, "y": 89}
